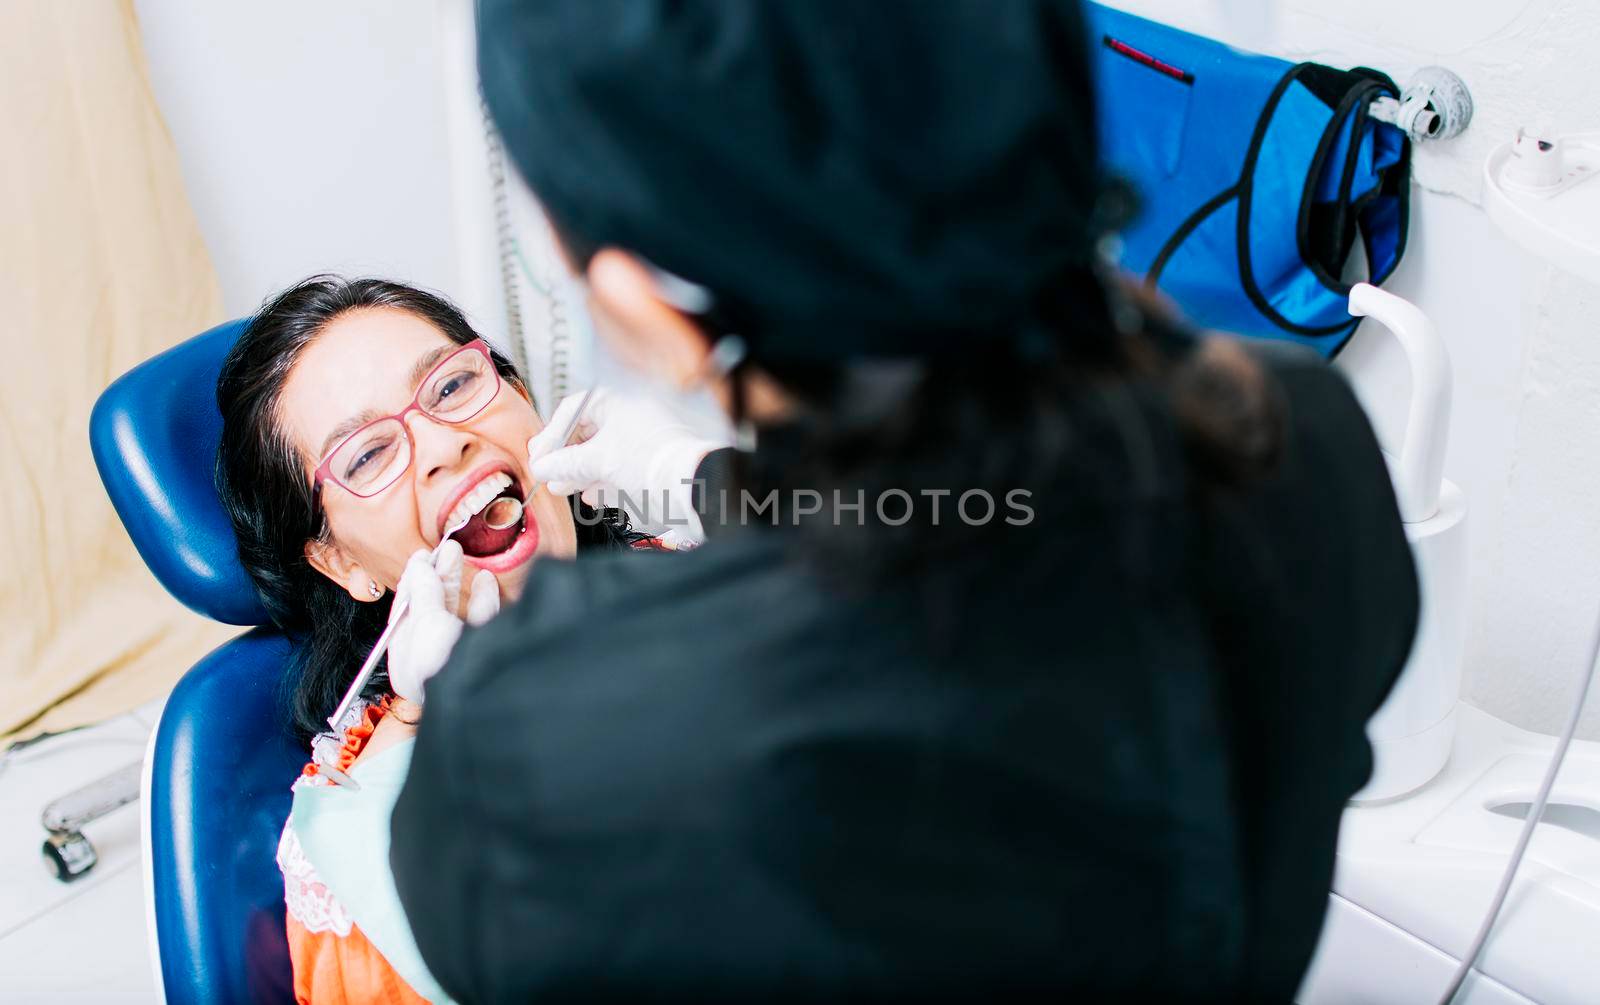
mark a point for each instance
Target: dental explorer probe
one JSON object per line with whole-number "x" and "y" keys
{"x": 504, "y": 513}
{"x": 382, "y": 646}
{"x": 506, "y": 517}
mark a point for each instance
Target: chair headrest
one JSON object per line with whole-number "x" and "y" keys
{"x": 154, "y": 433}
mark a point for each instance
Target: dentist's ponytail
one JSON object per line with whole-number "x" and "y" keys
{"x": 1059, "y": 424}
{"x": 1053, "y": 413}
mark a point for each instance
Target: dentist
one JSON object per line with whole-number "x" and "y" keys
{"x": 1030, "y": 646}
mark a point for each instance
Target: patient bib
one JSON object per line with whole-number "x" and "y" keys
{"x": 345, "y": 834}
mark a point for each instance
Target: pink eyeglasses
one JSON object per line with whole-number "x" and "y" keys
{"x": 374, "y": 457}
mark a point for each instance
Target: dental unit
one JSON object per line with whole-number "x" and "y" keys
{"x": 1444, "y": 877}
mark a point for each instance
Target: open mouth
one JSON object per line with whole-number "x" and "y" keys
{"x": 489, "y": 539}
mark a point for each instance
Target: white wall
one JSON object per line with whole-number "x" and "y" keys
{"x": 1524, "y": 336}
{"x": 312, "y": 137}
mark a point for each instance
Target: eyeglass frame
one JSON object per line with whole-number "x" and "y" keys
{"x": 324, "y": 471}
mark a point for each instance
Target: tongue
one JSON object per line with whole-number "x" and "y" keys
{"x": 478, "y": 539}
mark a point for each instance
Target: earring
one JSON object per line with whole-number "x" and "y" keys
{"x": 374, "y": 589}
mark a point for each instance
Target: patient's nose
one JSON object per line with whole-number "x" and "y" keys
{"x": 441, "y": 450}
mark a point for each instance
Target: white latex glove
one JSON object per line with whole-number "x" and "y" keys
{"x": 429, "y": 628}
{"x": 630, "y": 446}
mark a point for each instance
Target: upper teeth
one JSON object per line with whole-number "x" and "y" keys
{"x": 481, "y": 495}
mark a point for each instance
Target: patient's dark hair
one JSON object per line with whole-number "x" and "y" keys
{"x": 262, "y": 482}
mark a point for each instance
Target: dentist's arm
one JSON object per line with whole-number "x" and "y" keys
{"x": 634, "y": 453}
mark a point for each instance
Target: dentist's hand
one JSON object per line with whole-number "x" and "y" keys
{"x": 633, "y": 446}
{"x": 429, "y": 628}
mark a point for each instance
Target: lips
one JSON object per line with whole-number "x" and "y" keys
{"x": 526, "y": 542}
{"x": 521, "y": 549}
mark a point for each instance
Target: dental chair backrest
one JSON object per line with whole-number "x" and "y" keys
{"x": 220, "y": 763}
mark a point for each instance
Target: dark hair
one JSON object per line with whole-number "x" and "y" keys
{"x": 262, "y": 483}
{"x": 1034, "y": 408}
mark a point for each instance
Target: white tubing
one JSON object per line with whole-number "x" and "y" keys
{"x": 1420, "y": 469}
{"x": 1535, "y": 811}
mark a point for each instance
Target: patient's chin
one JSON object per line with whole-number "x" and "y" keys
{"x": 513, "y": 582}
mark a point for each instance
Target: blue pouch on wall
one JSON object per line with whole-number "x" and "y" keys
{"x": 1255, "y": 177}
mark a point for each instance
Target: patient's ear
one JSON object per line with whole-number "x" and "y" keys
{"x": 334, "y": 562}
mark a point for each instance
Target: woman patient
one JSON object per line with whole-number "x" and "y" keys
{"x": 361, "y": 419}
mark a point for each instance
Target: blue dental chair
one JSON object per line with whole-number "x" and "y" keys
{"x": 217, "y": 776}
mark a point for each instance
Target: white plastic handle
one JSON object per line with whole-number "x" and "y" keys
{"x": 1419, "y": 470}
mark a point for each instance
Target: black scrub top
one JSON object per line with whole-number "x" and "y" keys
{"x": 1112, "y": 771}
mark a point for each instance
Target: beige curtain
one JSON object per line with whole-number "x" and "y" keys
{"x": 101, "y": 266}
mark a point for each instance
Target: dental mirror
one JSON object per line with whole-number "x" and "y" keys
{"x": 503, "y": 513}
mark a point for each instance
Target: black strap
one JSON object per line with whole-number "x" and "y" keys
{"x": 1186, "y": 228}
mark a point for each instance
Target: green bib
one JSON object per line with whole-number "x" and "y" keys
{"x": 345, "y": 835}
